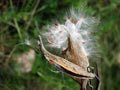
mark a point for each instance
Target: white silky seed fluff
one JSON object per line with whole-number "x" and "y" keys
{"x": 79, "y": 31}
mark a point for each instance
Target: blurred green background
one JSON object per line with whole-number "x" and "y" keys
{"x": 20, "y": 22}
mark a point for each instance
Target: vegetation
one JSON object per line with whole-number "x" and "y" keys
{"x": 22, "y": 20}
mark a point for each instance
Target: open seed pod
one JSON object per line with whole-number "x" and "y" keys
{"x": 74, "y": 40}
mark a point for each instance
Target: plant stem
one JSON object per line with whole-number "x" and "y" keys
{"x": 17, "y": 28}
{"x": 32, "y": 14}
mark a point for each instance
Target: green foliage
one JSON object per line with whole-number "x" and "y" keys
{"x": 23, "y": 19}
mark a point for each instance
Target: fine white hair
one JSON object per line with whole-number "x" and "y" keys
{"x": 79, "y": 27}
